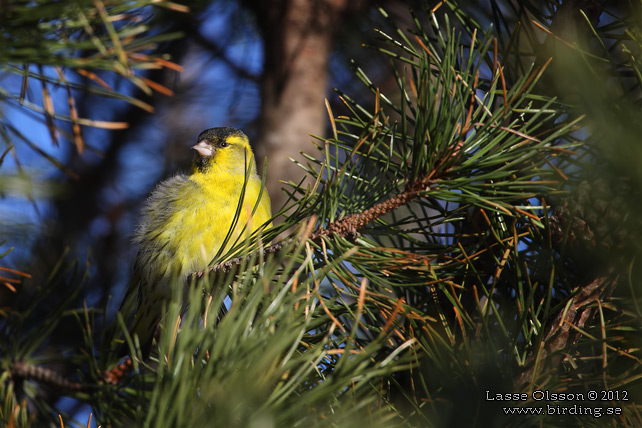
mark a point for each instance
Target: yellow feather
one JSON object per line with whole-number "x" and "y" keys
{"x": 186, "y": 219}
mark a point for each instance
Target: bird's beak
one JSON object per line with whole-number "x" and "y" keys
{"x": 203, "y": 148}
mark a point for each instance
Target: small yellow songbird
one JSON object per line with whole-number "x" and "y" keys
{"x": 186, "y": 219}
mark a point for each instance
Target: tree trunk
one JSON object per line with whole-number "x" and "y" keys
{"x": 297, "y": 38}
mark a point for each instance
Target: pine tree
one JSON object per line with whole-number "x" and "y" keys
{"x": 469, "y": 234}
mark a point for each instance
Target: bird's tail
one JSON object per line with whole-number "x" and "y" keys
{"x": 147, "y": 316}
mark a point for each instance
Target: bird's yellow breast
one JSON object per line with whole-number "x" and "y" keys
{"x": 199, "y": 211}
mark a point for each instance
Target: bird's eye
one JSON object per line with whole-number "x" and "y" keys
{"x": 223, "y": 144}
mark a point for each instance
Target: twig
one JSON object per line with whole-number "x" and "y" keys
{"x": 44, "y": 375}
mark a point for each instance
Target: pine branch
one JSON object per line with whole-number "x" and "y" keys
{"x": 26, "y": 371}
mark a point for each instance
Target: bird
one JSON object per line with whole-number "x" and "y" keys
{"x": 185, "y": 222}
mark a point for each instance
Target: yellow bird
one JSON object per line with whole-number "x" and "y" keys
{"x": 186, "y": 219}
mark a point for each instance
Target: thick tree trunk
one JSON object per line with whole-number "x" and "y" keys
{"x": 297, "y": 38}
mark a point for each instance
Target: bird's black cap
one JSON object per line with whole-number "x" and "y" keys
{"x": 215, "y": 134}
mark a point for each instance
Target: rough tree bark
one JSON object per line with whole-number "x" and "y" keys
{"x": 297, "y": 37}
